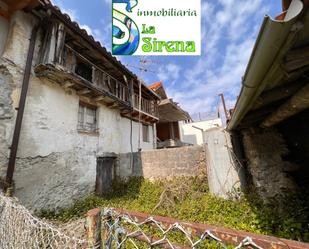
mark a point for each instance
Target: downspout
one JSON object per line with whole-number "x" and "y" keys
{"x": 21, "y": 108}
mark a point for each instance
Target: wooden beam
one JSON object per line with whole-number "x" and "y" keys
{"x": 83, "y": 91}
{"x": 112, "y": 105}
{"x": 296, "y": 64}
{"x": 148, "y": 118}
{"x": 134, "y": 114}
{"x": 297, "y": 58}
{"x": 68, "y": 84}
{"x": 276, "y": 94}
{"x": 99, "y": 98}
{"x": 296, "y": 54}
{"x": 126, "y": 112}
{"x": 297, "y": 103}
{"x": 257, "y": 116}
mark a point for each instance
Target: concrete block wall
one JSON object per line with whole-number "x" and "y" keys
{"x": 163, "y": 164}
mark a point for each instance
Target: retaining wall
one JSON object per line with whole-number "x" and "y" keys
{"x": 162, "y": 164}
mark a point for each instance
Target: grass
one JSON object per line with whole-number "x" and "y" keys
{"x": 189, "y": 199}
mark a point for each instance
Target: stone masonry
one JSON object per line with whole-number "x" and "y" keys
{"x": 163, "y": 164}
{"x": 265, "y": 150}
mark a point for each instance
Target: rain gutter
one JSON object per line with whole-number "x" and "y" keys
{"x": 274, "y": 40}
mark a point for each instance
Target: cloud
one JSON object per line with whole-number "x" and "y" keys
{"x": 71, "y": 12}
{"x": 169, "y": 73}
{"x": 109, "y": 2}
{"x": 229, "y": 30}
{"x": 98, "y": 35}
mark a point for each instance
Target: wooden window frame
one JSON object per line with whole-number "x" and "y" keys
{"x": 146, "y": 137}
{"x": 82, "y": 125}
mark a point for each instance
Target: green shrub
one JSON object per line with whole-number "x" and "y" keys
{"x": 189, "y": 199}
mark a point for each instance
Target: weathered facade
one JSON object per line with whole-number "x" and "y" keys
{"x": 269, "y": 124}
{"x": 81, "y": 102}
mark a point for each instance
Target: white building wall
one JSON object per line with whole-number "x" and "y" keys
{"x": 55, "y": 164}
{"x": 191, "y": 135}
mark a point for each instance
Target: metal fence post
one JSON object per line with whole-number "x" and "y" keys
{"x": 119, "y": 232}
{"x": 93, "y": 221}
{"x": 107, "y": 230}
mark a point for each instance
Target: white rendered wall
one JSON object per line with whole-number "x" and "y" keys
{"x": 191, "y": 135}
{"x": 55, "y": 164}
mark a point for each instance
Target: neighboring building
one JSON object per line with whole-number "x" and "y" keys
{"x": 170, "y": 113}
{"x": 271, "y": 116}
{"x": 78, "y": 107}
{"x": 192, "y": 132}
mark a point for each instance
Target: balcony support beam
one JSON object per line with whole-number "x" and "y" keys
{"x": 98, "y": 99}
{"x": 68, "y": 84}
{"x": 83, "y": 91}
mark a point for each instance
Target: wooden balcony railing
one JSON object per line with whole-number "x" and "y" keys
{"x": 78, "y": 64}
{"x": 147, "y": 106}
{"x": 78, "y": 72}
{"x": 95, "y": 75}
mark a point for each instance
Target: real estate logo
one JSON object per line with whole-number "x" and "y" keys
{"x": 160, "y": 27}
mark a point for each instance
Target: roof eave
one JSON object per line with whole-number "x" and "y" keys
{"x": 62, "y": 17}
{"x": 274, "y": 38}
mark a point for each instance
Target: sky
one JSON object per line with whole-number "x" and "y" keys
{"x": 229, "y": 31}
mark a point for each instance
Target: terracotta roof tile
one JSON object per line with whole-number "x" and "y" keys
{"x": 155, "y": 86}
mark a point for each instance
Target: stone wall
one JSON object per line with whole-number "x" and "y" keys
{"x": 163, "y": 164}
{"x": 6, "y": 114}
{"x": 265, "y": 149}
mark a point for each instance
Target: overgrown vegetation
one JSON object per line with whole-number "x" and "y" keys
{"x": 189, "y": 199}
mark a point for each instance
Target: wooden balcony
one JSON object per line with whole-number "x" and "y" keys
{"x": 74, "y": 71}
{"x": 143, "y": 109}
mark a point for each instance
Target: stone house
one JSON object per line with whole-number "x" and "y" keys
{"x": 81, "y": 102}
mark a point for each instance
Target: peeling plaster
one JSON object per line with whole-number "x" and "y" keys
{"x": 55, "y": 164}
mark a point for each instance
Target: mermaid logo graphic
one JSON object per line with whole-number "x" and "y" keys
{"x": 125, "y": 31}
{"x": 156, "y": 27}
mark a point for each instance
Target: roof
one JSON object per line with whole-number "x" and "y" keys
{"x": 155, "y": 86}
{"x": 274, "y": 73}
{"x": 65, "y": 18}
{"x": 169, "y": 111}
{"x": 158, "y": 88}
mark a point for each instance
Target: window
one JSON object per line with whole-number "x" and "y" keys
{"x": 84, "y": 70}
{"x": 145, "y": 133}
{"x": 87, "y": 118}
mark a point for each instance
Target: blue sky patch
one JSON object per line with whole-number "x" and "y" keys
{"x": 229, "y": 31}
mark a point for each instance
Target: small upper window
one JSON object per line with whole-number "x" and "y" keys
{"x": 145, "y": 133}
{"x": 83, "y": 69}
{"x": 87, "y": 118}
